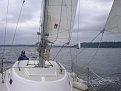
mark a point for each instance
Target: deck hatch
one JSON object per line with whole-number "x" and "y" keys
{"x": 41, "y": 71}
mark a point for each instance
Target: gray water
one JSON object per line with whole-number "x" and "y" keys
{"x": 102, "y": 68}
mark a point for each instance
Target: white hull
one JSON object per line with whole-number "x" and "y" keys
{"x": 30, "y": 78}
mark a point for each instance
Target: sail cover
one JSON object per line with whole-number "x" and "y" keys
{"x": 59, "y": 19}
{"x": 113, "y": 23}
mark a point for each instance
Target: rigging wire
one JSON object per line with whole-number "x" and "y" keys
{"x": 70, "y": 39}
{"x": 93, "y": 58}
{"x": 71, "y": 20}
{"x": 6, "y": 23}
{"x": 89, "y": 68}
{"x": 18, "y": 22}
{"x": 72, "y": 66}
{"x": 14, "y": 35}
{"x": 77, "y": 54}
{"x": 17, "y": 26}
{"x": 78, "y": 24}
{"x": 3, "y": 54}
{"x": 90, "y": 41}
{"x": 59, "y": 51}
{"x": 101, "y": 78}
{"x": 70, "y": 23}
{"x": 69, "y": 28}
{"x": 78, "y": 33}
{"x": 82, "y": 50}
{"x": 97, "y": 49}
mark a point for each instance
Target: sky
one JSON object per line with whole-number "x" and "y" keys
{"x": 91, "y": 17}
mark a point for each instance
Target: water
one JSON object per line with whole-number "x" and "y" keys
{"x": 102, "y": 68}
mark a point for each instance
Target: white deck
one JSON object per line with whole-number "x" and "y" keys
{"x": 31, "y": 73}
{"x": 4, "y": 88}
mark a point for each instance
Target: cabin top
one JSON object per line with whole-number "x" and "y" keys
{"x": 30, "y": 71}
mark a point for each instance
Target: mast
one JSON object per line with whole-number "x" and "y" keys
{"x": 58, "y": 20}
{"x": 43, "y": 43}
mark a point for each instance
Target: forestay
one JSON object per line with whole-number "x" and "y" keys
{"x": 59, "y": 20}
{"x": 114, "y": 20}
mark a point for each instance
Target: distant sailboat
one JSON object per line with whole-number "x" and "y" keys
{"x": 43, "y": 74}
{"x": 79, "y": 45}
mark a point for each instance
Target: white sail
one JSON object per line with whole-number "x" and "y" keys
{"x": 114, "y": 20}
{"x": 59, "y": 20}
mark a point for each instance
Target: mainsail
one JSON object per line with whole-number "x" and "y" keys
{"x": 59, "y": 19}
{"x": 114, "y": 20}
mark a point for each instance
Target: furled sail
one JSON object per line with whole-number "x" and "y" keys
{"x": 59, "y": 19}
{"x": 114, "y": 20}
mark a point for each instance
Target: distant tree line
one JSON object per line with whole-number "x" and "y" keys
{"x": 18, "y": 45}
{"x": 83, "y": 45}
{"x": 100, "y": 45}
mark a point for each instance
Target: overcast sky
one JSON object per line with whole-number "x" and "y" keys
{"x": 91, "y": 16}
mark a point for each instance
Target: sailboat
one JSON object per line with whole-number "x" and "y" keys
{"x": 43, "y": 74}
{"x": 79, "y": 45}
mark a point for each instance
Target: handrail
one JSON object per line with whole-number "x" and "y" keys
{"x": 61, "y": 69}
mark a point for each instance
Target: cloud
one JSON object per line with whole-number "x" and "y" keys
{"x": 28, "y": 24}
{"x": 28, "y": 11}
{"x": 91, "y": 14}
{"x": 90, "y": 19}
